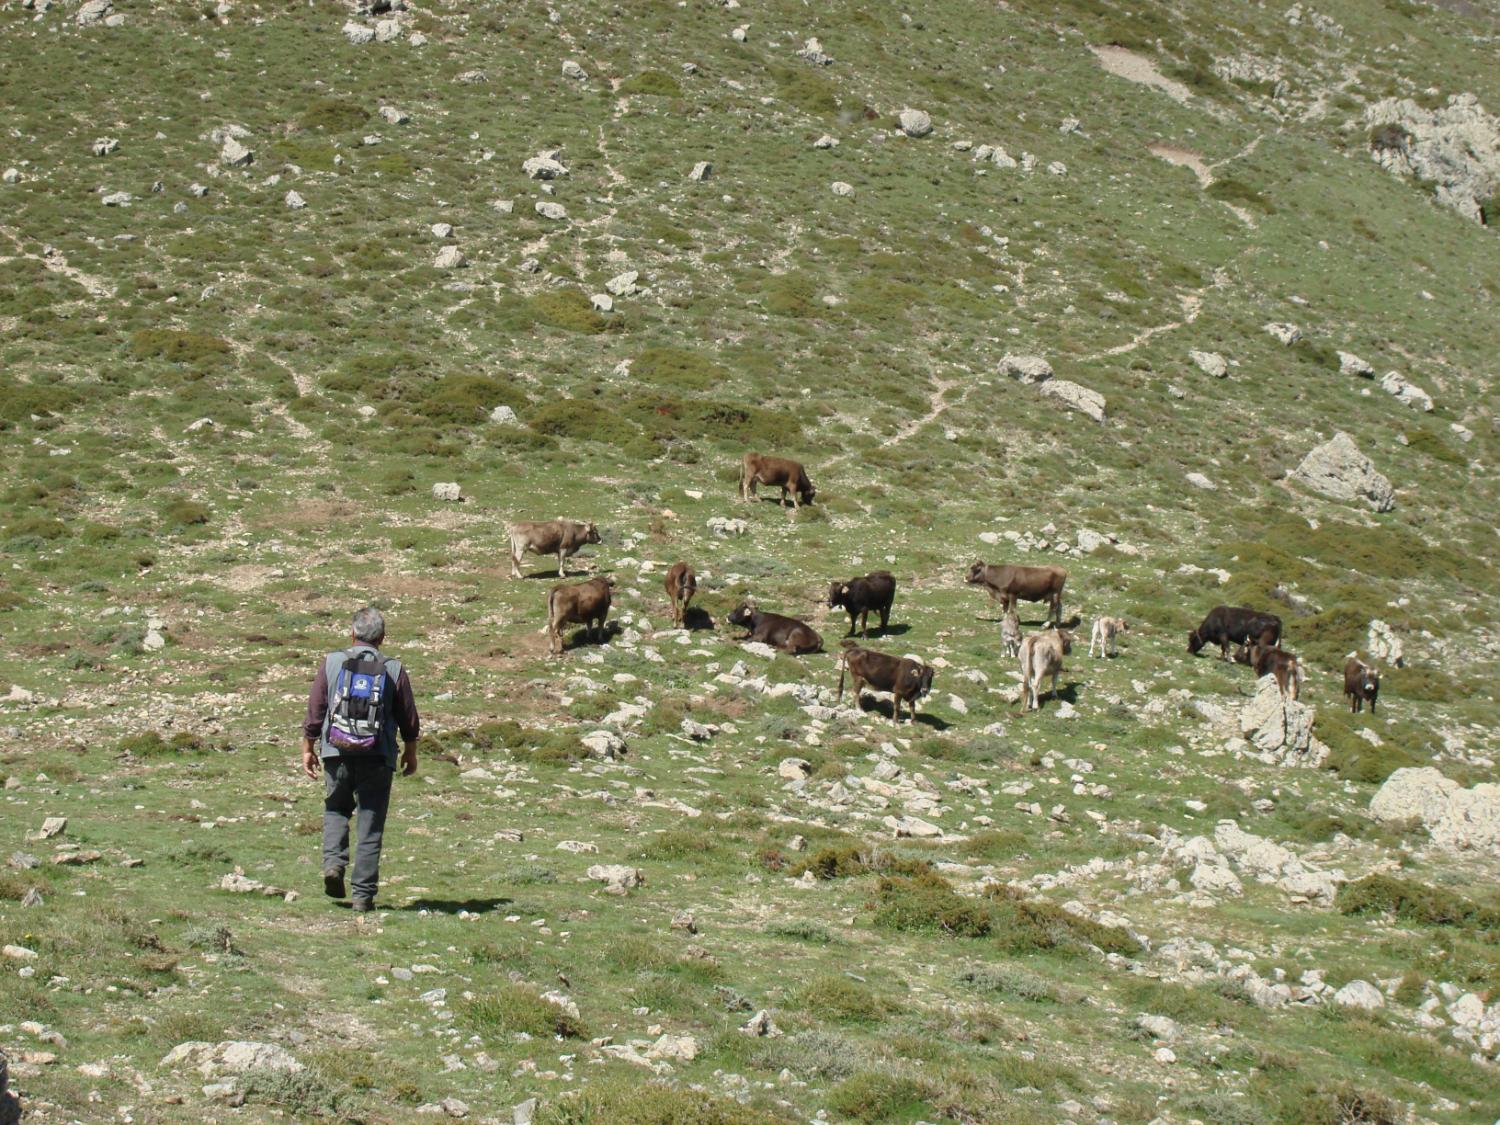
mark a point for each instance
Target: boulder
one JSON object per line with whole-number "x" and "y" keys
{"x": 678, "y": 1048}
{"x": 92, "y": 12}
{"x": 1287, "y": 334}
{"x": 549, "y": 210}
{"x": 602, "y": 302}
{"x": 1210, "y": 363}
{"x": 1280, "y": 727}
{"x": 1394, "y": 383}
{"x": 701, "y": 171}
{"x": 794, "y": 769}
{"x": 1455, "y": 147}
{"x": 604, "y": 744}
{"x": 761, "y": 1025}
{"x": 826, "y": 141}
{"x": 545, "y": 165}
{"x": 449, "y": 258}
{"x": 840, "y": 188}
{"x": 1359, "y": 994}
{"x": 447, "y": 491}
{"x": 571, "y": 69}
{"x": 1215, "y": 878}
{"x": 617, "y": 878}
{"x": 915, "y": 123}
{"x": 1026, "y": 368}
{"x": 1416, "y": 793}
{"x": 358, "y": 33}
{"x": 1338, "y": 470}
{"x": 1384, "y": 645}
{"x": 1159, "y": 1027}
{"x": 387, "y": 31}
{"x": 503, "y": 415}
{"x": 394, "y": 116}
{"x": 812, "y": 51}
{"x": 1351, "y": 364}
{"x": 1198, "y": 480}
{"x": 236, "y": 1056}
{"x": 1075, "y": 397}
{"x": 623, "y": 285}
{"x": 234, "y": 154}
{"x": 1471, "y": 822}
{"x": 106, "y": 146}
{"x": 913, "y": 826}
{"x": 294, "y": 201}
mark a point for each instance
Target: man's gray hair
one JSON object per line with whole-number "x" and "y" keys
{"x": 369, "y": 626}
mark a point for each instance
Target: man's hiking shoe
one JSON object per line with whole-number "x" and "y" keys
{"x": 333, "y": 882}
{"x": 363, "y": 905}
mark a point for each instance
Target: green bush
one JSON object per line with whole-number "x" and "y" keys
{"x": 928, "y": 902}
{"x": 677, "y": 369}
{"x": 333, "y": 115}
{"x": 652, "y": 82}
{"x": 195, "y": 349}
{"x": 180, "y": 512}
{"x": 1389, "y": 138}
{"x": 584, "y": 419}
{"x": 571, "y": 310}
{"x": 509, "y": 1008}
{"x": 150, "y": 744}
{"x": 637, "y": 1102}
{"x": 791, "y": 294}
{"x": 1417, "y": 902}
{"x": 1240, "y": 195}
{"x": 1028, "y": 926}
{"x": 838, "y": 998}
{"x": 874, "y": 1096}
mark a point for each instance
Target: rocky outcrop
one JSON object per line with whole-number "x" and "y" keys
{"x": 1026, "y": 368}
{"x": 915, "y": 123}
{"x": 1394, "y": 383}
{"x": 1076, "y": 397}
{"x": 1339, "y": 471}
{"x": 236, "y": 1056}
{"x": 1281, "y": 727}
{"x": 1456, "y": 147}
{"x": 1456, "y": 818}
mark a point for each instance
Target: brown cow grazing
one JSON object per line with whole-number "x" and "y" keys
{"x": 785, "y": 633}
{"x": 876, "y": 590}
{"x": 1042, "y": 656}
{"x": 1010, "y": 633}
{"x": 562, "y": 538}
{"x": 907, "y": 680}
{"x": 580, "y": 603}
{"x": 681, "y": 584}
{"x": 1269, "y": 661}
{"x": 1361, "y": 683}
{"x": 1007, "y": 584}
{"x": 789, "y": 476}
{"x": 1233, "y": 624}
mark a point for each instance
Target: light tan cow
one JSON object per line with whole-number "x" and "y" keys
{"x": 1010, "y": 633}
{"x": 1106, "y": 632}
{"x": 562, "y": 538}
{"x": 1042, "y": 656}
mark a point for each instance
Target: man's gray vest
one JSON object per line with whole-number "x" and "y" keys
{"x": 333, "y": 663}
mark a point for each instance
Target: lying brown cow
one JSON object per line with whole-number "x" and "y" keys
{"x": 1008, "y": 584}
{"x": 1273, "y": 661}
{"x": 681, "y": 584}
{"x": 562, "y": 538}
{"x": 785, "y": 633}
{"x": 1042, "y": 656}
{"x": 580, "y": 603}
{"x": 907, "y": 680}
{"x": 773, "y": 472}
{"x": 1361, "y": 684}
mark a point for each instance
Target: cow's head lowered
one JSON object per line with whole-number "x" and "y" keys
{"x": 591, "y": 535}
{"x": 976, "y": 572}
{"x": 1195, "y": 642}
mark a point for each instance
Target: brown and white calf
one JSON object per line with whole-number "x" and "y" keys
{"x": 1010, "y": 633}
{"x": 1361, "y": 684}
{"x": 681, "y": 585}
{"x": 1107, "y": 631}
{"x": 1042, "y": 656}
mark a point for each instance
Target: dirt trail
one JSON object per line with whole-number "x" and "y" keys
{"x": 935, "y": 407}
{"x": 98, "y": 288}
{"x": 1140, "y": 70}
{"x": 1192, "y": 305}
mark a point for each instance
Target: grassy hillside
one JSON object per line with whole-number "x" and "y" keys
{"x": 222, "y": 415}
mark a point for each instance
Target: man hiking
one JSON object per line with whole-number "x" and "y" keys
{"x": 359, "y": 700}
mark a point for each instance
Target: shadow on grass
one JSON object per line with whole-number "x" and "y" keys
{"x": 453, "y": 906}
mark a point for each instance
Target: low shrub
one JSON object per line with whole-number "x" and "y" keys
{"x": 196, "y": 349}
{"x": 928, "y": 902}
{"x": 572, "y": 311}
{"x": 150, "y": 744}
{"x": 333, "y": 115}
{"x": 836, "y": 997}
{"x": 179, "y": 512}
{"x": 509, "y": 1008}
{"x": 1017, "y": 984}
{"x": 1417, "y": 902}
{"x": 1024, "y": 926}
{"x": 653, "y": 83}
{"x": 1389, "y": 138}
{"x": 677, "y": 369}
{"x": 647, "y": 1103}
{"x": 873, "y": 1096}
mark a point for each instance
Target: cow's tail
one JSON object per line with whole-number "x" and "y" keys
{"x": 744, "y": 476}
{"x": 551, "y": 610}
{"x": 843, "y": 664}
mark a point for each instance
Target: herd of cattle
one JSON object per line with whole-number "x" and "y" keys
{"x": 1257, "y": 635}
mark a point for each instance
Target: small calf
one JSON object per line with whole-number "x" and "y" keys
{"x": 682, "y": 584}
{"x": 1361, "y": 684}
{"x": 1268, "y": 661}
{"x": 1106, "y": 631}
{"x": 1010, "y": 633}
{"x": 578, "y": 603}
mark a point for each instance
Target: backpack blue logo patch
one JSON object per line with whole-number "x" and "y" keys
{"x": 362, "y": 686}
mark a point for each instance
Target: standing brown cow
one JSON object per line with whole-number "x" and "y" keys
{"x": 907, "y": 680}
{"x": 579, "y": 603}
{"x": 1361, "y": 684}
{"x": 1042, "y": 656}
{"x": 756, "y": 468}
{"x": 1008, "y": 584}
{"x": 562, "y": 538}
{"x": 681, "y": 585}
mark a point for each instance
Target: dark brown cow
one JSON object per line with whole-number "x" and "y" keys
{"x": 907, "y": 680}
{"x": 1234, "y": 624}
{"x": 580, "y": 603}
{"x": 1273, "y": 662}
{"x": 789, "y": 476}
{"x": 876, "y": 590}
{"x": 1008, "y": 584}
{"x": 681, "y": 584}
{"x": 562, "y": 538}
{"x": 785, "y": 633}
{"x": 1361, "y": 684}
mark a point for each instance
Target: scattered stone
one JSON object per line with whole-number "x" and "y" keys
{"x": 294, "y": 201}
{"x": 472, "y": 77}
{"x": 394, "y": 116}
{"x": 1210, "y": 363}
{"x": 623, "y": 285}
{"x": 685, "y": 922}
{"x": 618, "y": 879}
{"x": 1057, "y": 168}
{"x": 604, "y": 745}
{"x": 602, "y": 302}
{"x": 1073, "y": 396}
{"x": 53, "y": 826}
{"x": 1394, "y": 383}
{"x": 235, "y": 1056}
{"x": 503, "y": 415}
{"x": 441, "y": 230}
{"x": 794, "y": 769}
{"x": 117, "y": 199}
{"x": 358, "y": 33}
{"x": 812, "y": 51}
{"x": 1338, "y": 470}
{"x": 1359, "y": 994}
{"x": 234, "y": 154}
{"x": 912, "y": 826}
{"x": 450, "y": 258}
{"x": 1457, "y": 819}
{"x": 91, "y": 12}
{"x": 826, "y": 141}
{"x": 915, "y": 123}
{"x": 1455, "y": 147}
{"x": 840, "y": 188}
{"x": 106, "y": 146}
{"x": 1384, "y": 646}
{"x": 18, "y": 953}
{"x": 545, "y": 165}
{"x": 1026, "y": 368}
{"x": 1351, "y": 364}
{"x": 571, "y": 69}
{"x": 523, "y": 1113}
{"x": 387, "y": 31}
{"x": 761, "y": 1026}
{"x": 701, "y": 171}
{"x": 1159, "y": 1027}
{"x": 550, "y": 210}
{"x": 1198, "y": 480}
{"x": 724, "y": 528}
{"x": 447, "y": 491}
{"x": 1280, "y": 727}
{"x": 1288, "y": 334}
{"x": 678, "y": 1048}
{"x": 11, "y": 175}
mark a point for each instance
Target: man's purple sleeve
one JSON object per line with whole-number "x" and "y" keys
{"x": 317, "y": 705}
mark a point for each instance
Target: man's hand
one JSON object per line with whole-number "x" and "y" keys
{"x": 310, "y": 762}
{"x": 409, "y": 760}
